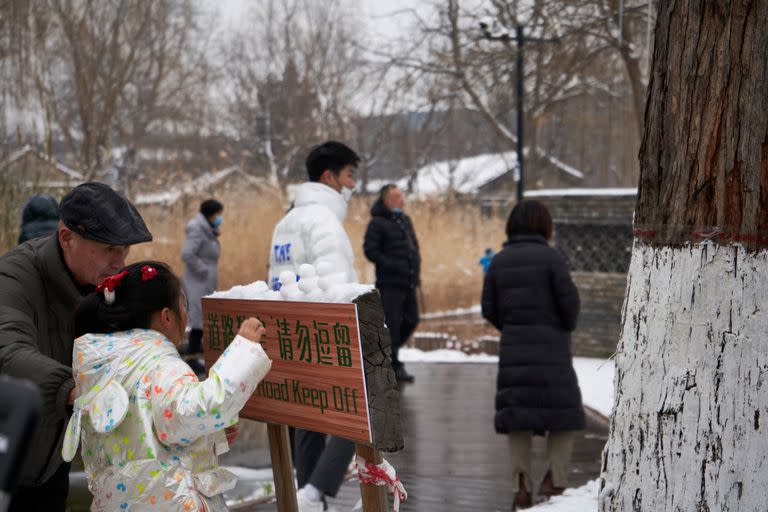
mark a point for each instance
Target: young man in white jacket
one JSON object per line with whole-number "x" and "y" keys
{"x": 313, "y": 229}
{"x": 313, "y": 232}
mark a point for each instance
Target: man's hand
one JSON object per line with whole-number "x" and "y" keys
{"x": 232, "y": 433}
{"x": 252, "y": 329}
{"x": 72, "y": 396}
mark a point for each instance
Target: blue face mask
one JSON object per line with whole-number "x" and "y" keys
{"x": 397, "y": 210}
{"x": 217, "y": 221}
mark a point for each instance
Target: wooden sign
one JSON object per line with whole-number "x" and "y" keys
{"x": 317, "y": 381}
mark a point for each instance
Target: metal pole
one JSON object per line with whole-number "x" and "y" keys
{"x": 648, "y": 38}
{"x": 519, "y": 71}
{"x": 621, "y": 22}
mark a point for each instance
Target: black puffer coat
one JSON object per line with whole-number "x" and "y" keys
{"x": 391, "y": 244}
{"x": 39, "y": 217}
{"x": 529, "y": 296}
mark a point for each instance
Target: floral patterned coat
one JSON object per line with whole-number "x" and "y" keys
{"x": 150, "y": 431}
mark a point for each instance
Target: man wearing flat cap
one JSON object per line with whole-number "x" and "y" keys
{"x": 42, "y": 282}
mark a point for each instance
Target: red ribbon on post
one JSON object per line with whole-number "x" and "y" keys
{"x": 381, "y": 474}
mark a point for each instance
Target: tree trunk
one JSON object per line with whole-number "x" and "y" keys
{"x": 690, "y": 402}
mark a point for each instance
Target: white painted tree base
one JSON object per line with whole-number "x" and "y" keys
{"x": 690, "y": 421}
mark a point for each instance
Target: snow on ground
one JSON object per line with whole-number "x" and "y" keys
{"x": 453, "y": 312}
{"x": 252, "y": 484}
{"x": 596, "y": 382}
{"x": 580, "y": 499}
{"x": 581, "y": 192}
{"x": 595, "y": 375}
{"x": 443, "y": 355}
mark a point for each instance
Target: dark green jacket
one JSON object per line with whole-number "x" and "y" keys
{"x": 37, "y": 299}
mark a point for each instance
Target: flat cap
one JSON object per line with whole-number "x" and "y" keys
{"x": 96, "y": 212}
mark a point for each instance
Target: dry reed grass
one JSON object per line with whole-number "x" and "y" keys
{"x": 452, "y": 236}
{"x": 245, "y": 235}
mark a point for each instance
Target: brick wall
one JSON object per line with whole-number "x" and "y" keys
{"x": 594, "y": 232}
{"x": 607, "y": 208}
{"x": 602, "y": 297}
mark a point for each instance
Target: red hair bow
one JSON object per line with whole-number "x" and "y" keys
{"x": 148, "y": 273}
{"x": 108, "y": 285}
{"x": 110, "y": 282}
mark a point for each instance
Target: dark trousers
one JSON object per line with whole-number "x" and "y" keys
{"x": 319, "y": 463}
{"x": 49, "y": 497}
{"x": 195, "y": 341}
{"x": 401, "y": 310}
{"x": 196, "y": 349}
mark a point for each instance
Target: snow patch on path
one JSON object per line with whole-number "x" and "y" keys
{"x": 595, "y": 375}
{"x": 453, "y": 312}
{"x": 580, "y": 499}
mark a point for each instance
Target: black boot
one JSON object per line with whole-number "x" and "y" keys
{"x": 403, "y": 376}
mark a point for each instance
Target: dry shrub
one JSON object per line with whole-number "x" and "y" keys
{"x": 14, "y": 197}
{"x": 452, "y": 236}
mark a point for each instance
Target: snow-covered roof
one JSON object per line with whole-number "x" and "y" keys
{"x": 20, "y": 153}
{"x": 469, "y": 174}
{"x": 559, "y": 164}
{"x": 199, "y": 184}
{"x": 559, "y": 192}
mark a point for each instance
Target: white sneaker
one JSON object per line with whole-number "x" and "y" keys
{"x": 307, "y": 505}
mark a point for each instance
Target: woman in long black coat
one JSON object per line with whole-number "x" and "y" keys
{"x": 529, "y": 296}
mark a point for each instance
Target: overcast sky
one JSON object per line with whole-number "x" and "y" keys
{"x": 383, "y": 18}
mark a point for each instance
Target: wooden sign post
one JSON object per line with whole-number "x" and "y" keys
{"x": 330, "y": 373}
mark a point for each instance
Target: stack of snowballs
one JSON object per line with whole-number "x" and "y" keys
{"x": 312, "y": 284}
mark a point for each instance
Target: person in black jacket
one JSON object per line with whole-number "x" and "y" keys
{"x": 529, "y": 296}
{"x": 391, "y": 244}
{"x": 39, "y": 217}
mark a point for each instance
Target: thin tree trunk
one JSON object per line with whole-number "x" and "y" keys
{"x": 690, "y": 407}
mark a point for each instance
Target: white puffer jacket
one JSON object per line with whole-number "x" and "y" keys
{"x": 312, "y": 232}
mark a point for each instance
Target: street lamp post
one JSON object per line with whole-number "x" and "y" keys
{"x": 493, "y": 32}
{"x": 519, "y": 96}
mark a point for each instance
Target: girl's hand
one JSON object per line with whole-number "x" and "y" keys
{"x": 252, "y": 329}
{"x": 232, "y": 433}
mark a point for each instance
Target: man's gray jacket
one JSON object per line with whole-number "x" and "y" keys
{"x": 38, "y": 297}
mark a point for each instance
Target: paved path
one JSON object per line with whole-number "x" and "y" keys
{"x": 453, "y": 460}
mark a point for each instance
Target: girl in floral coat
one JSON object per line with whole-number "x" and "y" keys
{"x": 150, "y": 431}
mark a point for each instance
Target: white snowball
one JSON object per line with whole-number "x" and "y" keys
{"x": 291, "y": 292}
{"x": 330, "y": 280}
{"x": 308, "y": 284}
{"x": 287, "y": 277}
{"x": 306, "y": 270}
{"x": 324, "y": 268}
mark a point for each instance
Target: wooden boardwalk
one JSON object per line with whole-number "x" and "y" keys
{"x": 453, "y": 460}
